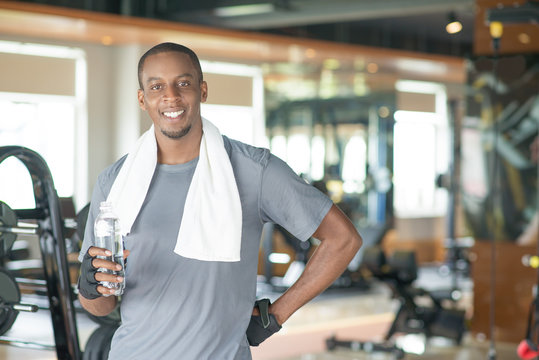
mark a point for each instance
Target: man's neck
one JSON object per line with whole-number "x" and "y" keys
{"x": 178, "y": 151}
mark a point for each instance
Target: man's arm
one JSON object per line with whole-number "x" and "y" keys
{"x": 340, "y": 242}
{"x": 102, "y": 305}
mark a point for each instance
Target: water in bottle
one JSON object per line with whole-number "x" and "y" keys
{"x": 108, "y": 236}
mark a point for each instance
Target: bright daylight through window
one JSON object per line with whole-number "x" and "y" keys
{"x": 421, "y": 153}
{"x": 51, "y": 122}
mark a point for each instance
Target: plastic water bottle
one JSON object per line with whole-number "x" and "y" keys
{"x": 108, "y": 236}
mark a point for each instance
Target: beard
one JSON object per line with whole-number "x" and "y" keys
{"x": 176, "y": 134}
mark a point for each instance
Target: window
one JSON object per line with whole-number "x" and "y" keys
{"x": 244, "y": 107}
{"x": 44, "y": 111}
{"x": 421, "y": 153}
{"x": 46, "y": 125}
{"x": 354, "y": 168}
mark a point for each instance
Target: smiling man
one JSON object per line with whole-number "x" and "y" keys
{"x": 192, "y": 204}
{"x": 171, "y": 90}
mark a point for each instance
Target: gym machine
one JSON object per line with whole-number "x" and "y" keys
{"x": 50, "y": 230}
{"x": 46, "y": 222}
{"x": 413, "y": 315}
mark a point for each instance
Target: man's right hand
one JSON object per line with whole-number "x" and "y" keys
{"x": 89, "y": 279}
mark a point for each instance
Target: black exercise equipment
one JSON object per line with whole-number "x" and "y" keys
{"x": 14, "y": 252}
{"x": 369, "y": 347}
{"x": 399, "y": 272}
{"x": 50, "y": 229}
{"x": 19, "y": 251}
{"x": 8, "y": 220}
{"x": 98, "y": 344}
{"x": 10, "y": 294}
{"x": 112, "y": 319}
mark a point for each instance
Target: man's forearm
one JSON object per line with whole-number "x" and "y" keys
{"x": 339, "y": 243}
{"x": 101, "y": 306}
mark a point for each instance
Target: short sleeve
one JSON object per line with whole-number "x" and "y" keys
{"x": 288, "y": 200}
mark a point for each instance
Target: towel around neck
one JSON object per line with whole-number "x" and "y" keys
{"x": 211, "y": 225}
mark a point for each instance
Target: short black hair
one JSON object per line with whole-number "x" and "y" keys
{"x": 168, "y": 47}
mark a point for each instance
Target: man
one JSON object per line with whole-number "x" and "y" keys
{"x": 183, "y": 304}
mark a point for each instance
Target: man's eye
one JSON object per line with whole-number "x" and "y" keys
{"x": 183, "y": 83}
{"x": 156, "y": 87}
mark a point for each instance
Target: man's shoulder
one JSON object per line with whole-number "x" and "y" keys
{"x": 241, "y": 151}
{"x": 108, "y": 175}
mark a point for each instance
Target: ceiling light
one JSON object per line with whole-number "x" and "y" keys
{"x": 310, "y": 53}
{"x": 332, "y": 64}
{"x": 383, "y": 111}
{"x": 524, "y": 38}
{"x": 372, "y": 68}
{"x": 453, "y": 25}
{"x": 242, "y": 10}
{"x": 106, "y": 40}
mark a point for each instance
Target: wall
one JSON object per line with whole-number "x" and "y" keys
{"x": 127, "y": 125}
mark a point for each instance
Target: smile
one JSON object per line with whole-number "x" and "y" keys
{"x": 173, "y": 114}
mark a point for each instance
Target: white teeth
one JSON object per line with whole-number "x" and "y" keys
{"x": 173, "y": 114}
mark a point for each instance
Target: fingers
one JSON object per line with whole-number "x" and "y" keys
{"x": 104, "y": 277}
{"x": 96, "y": 251}
{"x": 103, "y": 263}
{"x": 106, "y": 264}
{"x": 105, "y": 290}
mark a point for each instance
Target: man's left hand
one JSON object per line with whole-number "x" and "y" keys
{"x": 262, "y": 324}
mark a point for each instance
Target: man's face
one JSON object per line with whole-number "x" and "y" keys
{"x": 172, "y": 93}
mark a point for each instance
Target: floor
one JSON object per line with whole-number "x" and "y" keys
{"x": 349, "y": 314}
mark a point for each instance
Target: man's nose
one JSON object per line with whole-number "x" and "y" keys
{"x": 172, "y": 93}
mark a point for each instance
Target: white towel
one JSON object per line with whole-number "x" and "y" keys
{"x": 211, "y": 225}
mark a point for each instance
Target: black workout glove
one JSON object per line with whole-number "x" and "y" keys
{"x": 262, "y": 326}
{"x": 87, "y": 283}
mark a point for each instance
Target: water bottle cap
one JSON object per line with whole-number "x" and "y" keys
{"x": 105, "y": 204}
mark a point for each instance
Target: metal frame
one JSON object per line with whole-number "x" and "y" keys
{"x": 53, "y": 251}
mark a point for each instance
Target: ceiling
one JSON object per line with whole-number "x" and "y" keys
{"x": 416, "y": 25}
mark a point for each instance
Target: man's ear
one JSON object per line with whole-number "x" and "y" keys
{"x": 203, "y": 91}
{"x": 140, "y": 96}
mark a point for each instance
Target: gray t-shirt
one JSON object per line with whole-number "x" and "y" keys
{"x": 179, "y": 308}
